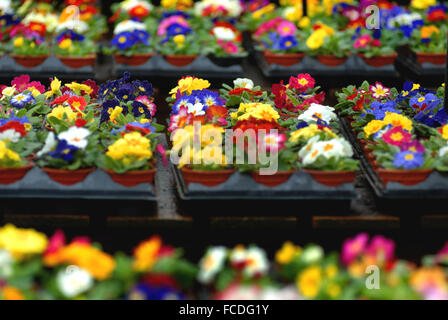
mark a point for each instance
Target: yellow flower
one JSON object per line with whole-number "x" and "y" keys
{"x": 316, "y": 39}
{"x": 261, "y": 111}
{"x": 427, "y": 31}
{"x": 11, "y": 293}
{"x": 308, "y": 282}
{"x": 398, "y": 120}
{"x": 304, "y": 22}
{"x": 425, "y": 277}
{"x": 262, "y": 11}
{"x": 145, "y": 255}
{"x": 287, "y": 253}
{"x": 60, "y": 111}
{"x": 293, "y": 13}
{"x": 18, "y": 42}
{"x": 422, "y": 4}
{"x": 65, "y": 44}
{"x": 78, "y": 87}
{"x": 445, "y": 132}
{"x": 34, "y": 91}
{"x": 21, "y": 242}
{"x": 8, "y": 154}
{"x": 188, "y": 84}
{"x": 179, "y": 39}
{"x": 331, "y": 271}
{"x": 55, "y": 86}
{"x": 333, "y": 290}
{"x": 373, "y": 127}
{"x": 9, "y": 91}
{"x": 132, "y": 146}
{"x": 115, "y": 113}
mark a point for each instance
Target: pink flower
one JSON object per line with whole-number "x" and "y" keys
{"x": 21, "y": 82}
{"x": 379, "y": 91}
{"x": 151, "y": 106}
{"x": 272, "y": 142}
{"x": 352, "y": 248}
{"x": 169, "y": 21}
{"x": 396, "y": 136}
{"x": 56, "y": 242}
{"x": 286, "y": 28}
{"x": 362, "y": 41}
{"x": 381, "y": 248}
{"x": 376, "y": 43}
{"x": 302, "y": 82}
{"x": 228, "y": 47}
{"x": 414, "y": 146}
{"x": 160, "y": 149}
{"x": 268, "y": 25}
{"x": 178, "y": 120}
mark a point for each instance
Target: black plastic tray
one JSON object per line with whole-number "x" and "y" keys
{"x": 201, "y": 67}
{"x": 301, "y": 186}
{"x": 97, "y": 185}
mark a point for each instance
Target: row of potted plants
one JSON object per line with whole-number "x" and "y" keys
{"x": 402, "y": 132}
{"x": 33, "y": 266}
{"x": 271, "y": 135}
{"x": 70, "y": 130}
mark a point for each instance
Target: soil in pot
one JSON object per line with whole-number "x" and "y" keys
{"x": 209, "y": 178}
{"x": 68, "y": 177}
{"x": 332, "y": 178}
{"x": 29, "y": 61}
{"x": 379, "y": 61}
{"x": 180, "y": 60}
{"x": 405, "y": 177}
{"x": 134, "y": 60}
{"x": 434, "y": 58}
{"x": 330, "y": 60}
{"x": 133, "y": 178}
{"x": 272, "y": 180}
{"x": 11, "y": 175}
{"x": 284, "y": 59}
{"x": 78, "y": 62}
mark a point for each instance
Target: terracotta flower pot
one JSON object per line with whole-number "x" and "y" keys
{"x": 78, "y": 62}
{"x": 272, "y": 180}
{"x": 286, "y": 115}
{"x": 133, "y": 178}
{"x": 379, "y": 61}
{"x": 206, "y": 177}
{"x": 434, "y": 58}
{"x": 68, "y": 177}
{"x": 11, "y": 175}
{"x": 332, "y": 178}
{"x": 405, "y": 177}
{"x": 180, "y": 60}
{"x": 283, "y": 59}
{"x": 330, "y": 60}
{"x": 134, "y": 60}
{"x": 29, "y": 61}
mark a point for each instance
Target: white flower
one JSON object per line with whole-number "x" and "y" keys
{"x": 74, "y": 281}
{"x": 322, "y": 112}
{"x": 256, "y": 262}
{"x": 337, "y": 148}
{"x": 211, "y": 264}
{"x": 75, "y": 136}
{"x": 224, "y": 33}
{"x": 195, "y": 109}
{"x": 238, "y": 255}
{"x": 312, "y": 254}
{"x": 243, "y": 83}
{"x": 50, "y": 143}
{"x": 77, "y": 26}
{"x": 443, "y": 151}
{"x": 128, "y": 26}
{"x": 11, "y": 135}
{"x": 128, "y": 5}
{"x": 6, "y": 6}
{"x": 6, "y": 262}
{"x": 233, "y": 7}
{"x": 50, "y": 20}
{"x": 309, "y": 153}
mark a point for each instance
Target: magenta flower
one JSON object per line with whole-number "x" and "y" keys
{"x": 414, "y": 146}
{"x": 381, "y": 248}
{"x": 272, "y": 142}
{"x": 161, "y": 30}
{"x": 362, "y": 41}
{"x": 228, "y": 47}
{"x": 379, "y": 91}
{"x": 354, "y": 247}
{"x": 397, "y": 136}
{"x": 160, "y": 149}
{"x": 286, "y": 28}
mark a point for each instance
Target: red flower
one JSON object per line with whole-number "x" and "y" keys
{"x": 160, "y": 280}
{"x": 139, "y": 12}
{"x": 80, "y": 122}
{"x": 92, "y": 84}
{"x": 437, "y": 15}
{"x": 302, "y": 82}
{"x": 239, "y": 91}
{"x": 61, "y": 99}
{"x": 14, "y": 125}
{"x": 77, "y": 103}
{"x": 38, "y": 27}
{"x": 21, "y": 82}
{"x": 130, "y": 127}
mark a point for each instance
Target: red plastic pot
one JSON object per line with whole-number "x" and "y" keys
{"x": 379, "y": 61}
{"x": 78, "y": 62}
{"x": 332, "y": 178}
{"x": 180, "y": 60}
{"x": 283, "y": 59}
{"x": 206, "y": 177}
{"x": 434, "y": 58}
{"x": 330, "y": 60}
{"x": 405, "y": 177}
{"x": 29, "y": 61}
{"x": 274, "y": 179}
{"x": 68, "y": 177}
{"x": 133, "y": 178}
{"x": 134, "y": 60}
{"x": 11, "y": 175}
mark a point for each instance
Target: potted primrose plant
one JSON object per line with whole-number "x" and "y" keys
{"x": 74, "y": 49}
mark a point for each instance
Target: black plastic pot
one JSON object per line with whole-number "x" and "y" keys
{"x": 225, "y": 61}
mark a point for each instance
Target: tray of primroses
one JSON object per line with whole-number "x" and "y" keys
{"x": 401, "y": 135}
{"x": 235, "y": 143}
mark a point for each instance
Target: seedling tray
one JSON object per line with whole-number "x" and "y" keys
{"x": 52, "y": 67}
{"x": 301, "y": 186}
{"x": 98, "y": 185}
{"x": 434, "y": 187}
{"x": 201, "y": 67}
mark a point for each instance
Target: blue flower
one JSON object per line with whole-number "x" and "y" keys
{"x": 379, "y": 109}
{"x": 70, "y": 34}
{"x": 176, "y": 28}
{"x": 64, "y": 151}
{"x": 144, "y": 87}
{"x": 21, "y": 99}
{"x": 141, "y": 36}
{"x": 419, "y": 101}
{"x": 408, "y": 160}
{"x": 125, "y": 92}
{"x": 148, "y": 292}
{"x": 124, "y": 40}
{"x": 139, "y": 109}
{"x": 376, "y": 34}
{"x": 302, "y": 125}
{"x": 285, "y": 43}
{"x": 108, "y": 107}
{"x": 209, "y": 98}
{"x": 181, "y": 102}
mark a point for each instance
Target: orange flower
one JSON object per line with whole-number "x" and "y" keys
{"x": 427, "y": 31}
{"x": 146, "y": 253}
{"x": 11, "y": 293}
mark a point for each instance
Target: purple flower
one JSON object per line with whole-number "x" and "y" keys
{"x": 408, "y": 160}
{"x": 64, "y": 151}
{"x": 414, "y": 146}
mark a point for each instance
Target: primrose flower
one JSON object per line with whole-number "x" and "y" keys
{"x": 257, "y": 263}
{"x": 316, "y": 112}
{"x": 211, "y": 264}
{"x": 408, "y": 160}
{"x": 73, "y": 281}
{"x": 22, "y": 99}
{"x": 75, "y": 137}
{"x": 396, "y": 136}
{"x": 354, "y": 247}
{"x": 243, "y": 83}
{"x": 54, "y": 88}
{"x": 379, "y": 91}
{"x": 272, "y": 142}
{"x": 286, "y": 28}
{"x": 362, "y": 41}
